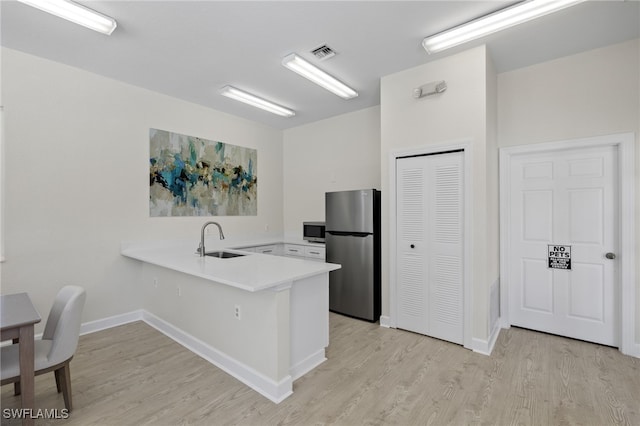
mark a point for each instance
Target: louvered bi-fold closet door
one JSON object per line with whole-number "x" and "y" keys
{"x": 429, "y": 279}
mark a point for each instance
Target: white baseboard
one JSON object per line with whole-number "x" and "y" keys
{"x": 385, "y": 322}
{"x": 485, "y": 347}
{"x": 105, "y": 323}
{"x": 635, "y": 351}
{"x": 274, "y": 391}
{"x": 307, "y": 364}
{"x": 114, "y": 321}
{"x": 480, "y": 346}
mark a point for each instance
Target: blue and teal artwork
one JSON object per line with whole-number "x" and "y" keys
{"x": 191, "y": 176}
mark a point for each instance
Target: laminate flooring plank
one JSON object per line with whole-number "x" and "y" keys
{"x": 134, "y": 375}
{"x": 573, "y": 385}
{"x": 608, "y": 391}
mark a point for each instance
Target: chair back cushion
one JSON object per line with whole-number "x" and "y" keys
{"x": 63, "y": 323}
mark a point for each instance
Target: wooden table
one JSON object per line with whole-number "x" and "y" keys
{"x": 17, "y": 318}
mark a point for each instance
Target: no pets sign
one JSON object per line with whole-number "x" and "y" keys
{"x": 559, "y": 256}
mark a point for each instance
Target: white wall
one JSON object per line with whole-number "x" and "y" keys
{"x": 76, "y": 180}
{"x": 76, "y": 154}
{"x": 460, "y": 113}
{"x": 2, "y": 179}
{"x": 493, "y": 202}
{"x": 588, "y": 94}
{"x": 335, "y": 154}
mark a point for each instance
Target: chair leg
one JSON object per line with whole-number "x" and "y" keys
{"x": 65, "y": 383}
{"x": 56, "y": 374}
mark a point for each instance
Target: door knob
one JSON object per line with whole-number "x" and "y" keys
{"x": 610, "y": 255}
{"x": 413, "y": 246}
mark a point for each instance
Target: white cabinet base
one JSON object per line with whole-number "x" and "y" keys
{"x": 309, "y": 324}
{"x": 282, "y": 334}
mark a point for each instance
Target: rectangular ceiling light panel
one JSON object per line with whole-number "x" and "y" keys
{"x": 494, "y": 22}
{"x": 76, "y": 13}
{"x": 253, "y": 100}
{"x": 319, "y": 77}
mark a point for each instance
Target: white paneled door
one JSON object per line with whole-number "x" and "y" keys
{"x": 562, "y": 243}
{"x": 430, "y": 267}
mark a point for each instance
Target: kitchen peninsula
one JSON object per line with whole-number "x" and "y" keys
{"x": 263, "y": 319}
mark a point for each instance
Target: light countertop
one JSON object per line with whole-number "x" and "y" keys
{"x": 253, "y": 272}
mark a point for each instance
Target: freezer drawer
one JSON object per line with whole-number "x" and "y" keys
{"x": 352, "y": 289}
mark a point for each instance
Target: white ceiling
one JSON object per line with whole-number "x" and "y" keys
{"x": 189, "y": 49}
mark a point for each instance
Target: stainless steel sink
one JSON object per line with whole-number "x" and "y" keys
{"x": 223, "y": 254}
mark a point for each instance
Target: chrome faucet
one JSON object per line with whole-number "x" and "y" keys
{"x": 201, "y": 248}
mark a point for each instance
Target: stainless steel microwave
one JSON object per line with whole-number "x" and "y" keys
{"x": 313, "y": 232}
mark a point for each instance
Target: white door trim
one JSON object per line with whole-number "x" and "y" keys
{"x": 626, "y": 211}
{"x": 467, "y": 231}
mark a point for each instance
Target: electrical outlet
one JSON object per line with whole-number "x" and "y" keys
{"x": 179, "y": 291}
{"x": 155, "y": 282}
{"x": 236, "y": 311}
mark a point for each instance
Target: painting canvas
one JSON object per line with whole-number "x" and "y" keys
{"x": 191, "y": 176}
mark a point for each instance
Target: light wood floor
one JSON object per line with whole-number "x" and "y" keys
{"x": 134, "y": 375}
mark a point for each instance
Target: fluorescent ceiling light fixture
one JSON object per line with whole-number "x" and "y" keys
{"x": 297, "y": 64}
{"x": 494, "y": 22}
{"x": 76, "y": 13}
{"x": 253, "y": 100}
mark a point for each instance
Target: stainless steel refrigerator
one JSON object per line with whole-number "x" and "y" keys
{"x": 352, "y": 239}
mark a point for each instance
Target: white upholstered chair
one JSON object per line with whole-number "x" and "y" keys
{"x": 56, "y": 348}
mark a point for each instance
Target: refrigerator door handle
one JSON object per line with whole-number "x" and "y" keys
{"x": 349, "y": 234}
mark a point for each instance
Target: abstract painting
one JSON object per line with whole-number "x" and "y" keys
{"x": 190, "y": 176}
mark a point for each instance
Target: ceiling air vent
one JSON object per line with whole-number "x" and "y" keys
{"x": 323, "y": 52}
